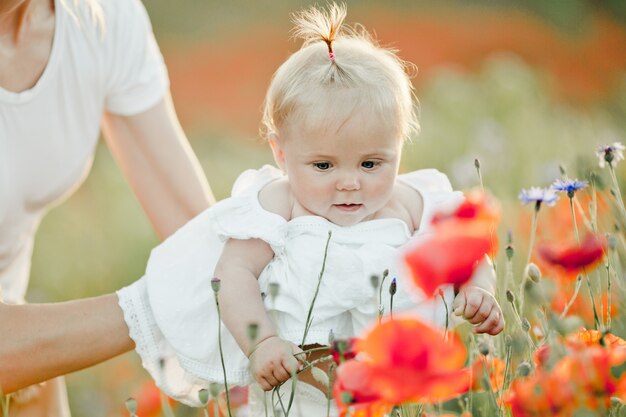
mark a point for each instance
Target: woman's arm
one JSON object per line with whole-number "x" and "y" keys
{"x": 160, "y": 166}
{"x": 41, "y": 341}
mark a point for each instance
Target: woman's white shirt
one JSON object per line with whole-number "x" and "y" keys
{"x": 48, "y": 133}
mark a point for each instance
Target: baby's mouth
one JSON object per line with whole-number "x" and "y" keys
{"x": 348, "y": 207}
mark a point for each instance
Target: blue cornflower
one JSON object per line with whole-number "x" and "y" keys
{"x": 612, "y": 154}
{"x": 569, "y": 186}
{"x": 538, "y": 195}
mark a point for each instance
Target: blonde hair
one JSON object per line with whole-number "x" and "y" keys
{"x": 93, "y": 10}
{"x": 336, "y": 63}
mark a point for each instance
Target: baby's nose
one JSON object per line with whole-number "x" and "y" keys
{"x": 348, "y": 182}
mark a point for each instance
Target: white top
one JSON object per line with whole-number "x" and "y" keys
{"x": 171, "y": 311}
{"x": 48, "y": 133}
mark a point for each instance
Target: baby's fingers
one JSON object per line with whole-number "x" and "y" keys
{"x": 267, "y": 382}
{"x": 493, "y": 324}
{"x": 473, "y": 305}
{"x": 458, "y": 305}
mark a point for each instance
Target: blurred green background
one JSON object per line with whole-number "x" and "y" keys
{"x": 523, "y": 86}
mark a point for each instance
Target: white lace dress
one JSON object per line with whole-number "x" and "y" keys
{"x": 171, "y": 311}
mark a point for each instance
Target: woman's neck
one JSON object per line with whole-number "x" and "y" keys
{"x": 16, "y": 16}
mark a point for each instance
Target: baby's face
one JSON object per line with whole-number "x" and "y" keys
{"x": 343, "y": 174}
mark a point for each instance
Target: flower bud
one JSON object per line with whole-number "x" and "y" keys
{"x": 533, "y": 272}
{"x": 274, "y": 288}
{"x": 385, "y": 274}
{"x": 320, "y": 376}
{"x": 346, "y": 397}
{"x": 524, "y": 369}
{"x": 215, "y": 389}
{"x": 131, "y": 405}
{"x": 525, "y": 324}
{"x": 215, "y": 284}
{"x": 203, "y": 396}
{"x": 374, "y": 280}
{"x": 393, "y": 288}
{"x": 510, "y": 296}
{"x": 483, "y": 348}
{"x": 508, "y": 340}
{"x": 509, "y": 252}
{"x": 253, "y": 331}
{"x": 476, "y": 163}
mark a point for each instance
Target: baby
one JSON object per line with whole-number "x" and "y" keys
{"x": 336, "y": 115}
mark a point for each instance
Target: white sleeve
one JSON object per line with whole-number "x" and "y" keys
{"x": 172, "y": 317}
{"x": 157, "y": 355}
{"x": 136, "y": 74}
{"x": 436, "y": 191}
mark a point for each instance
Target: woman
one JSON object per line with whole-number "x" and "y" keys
{"x": 66, "y": 66}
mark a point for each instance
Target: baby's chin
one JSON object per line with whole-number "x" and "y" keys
{"x": 349, "y": 217}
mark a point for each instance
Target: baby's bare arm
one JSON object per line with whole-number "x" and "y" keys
{"x": 241, "y": 263}
{"x": 238, "y": 268}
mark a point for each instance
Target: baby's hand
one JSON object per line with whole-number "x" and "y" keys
{"x": 480, "y": 308}
{"x": 273, "y": 362}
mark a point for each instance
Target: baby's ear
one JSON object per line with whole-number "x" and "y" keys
{"x": 277, "y": 150}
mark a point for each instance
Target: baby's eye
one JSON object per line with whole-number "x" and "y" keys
{"x": 369, "y": 164}
{"x": 322, "y": 166}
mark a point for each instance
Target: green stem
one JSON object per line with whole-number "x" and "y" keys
{"x": 620, "y": 201}
{"x": 445, "y": 333}
{"x": 589, "y": 224}
{"x": 507, "y": 369}
{"x": 219, "y": 343}
{"x": 165, "y": 405}
{"x": 533, "y": 232}
{"x": 307, "y": 324}
{"x": 309, "y": 317}
{"x": 489, "y": 387}
{"x": 571, "y": 206}
{"x": 329, "y": 394}
{"x": 596, "y": 320}
{"x": 5, "y": 401}
{"x": 608, "y": 292}
{"x": 381, "y": 308}
{"x": 579, "y": 281}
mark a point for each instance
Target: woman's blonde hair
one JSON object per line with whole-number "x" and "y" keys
{"x": 334, "y": 64}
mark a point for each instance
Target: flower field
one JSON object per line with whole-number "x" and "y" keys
{"x": 532, "y": 135}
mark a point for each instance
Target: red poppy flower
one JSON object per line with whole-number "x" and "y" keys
{"x": 458, "y": 242}
{"x": 590, "y": 337}
{"x": 149, "y": 400}
{"x": 582, "y": 379}
{"x": 449, "y": 256}
{"x": 477, "y": 206}
{"x": 493, "y": 368}
{"x": 404, "y": 360}
{"x": 343, "y": 349}
{"x": 573, "y": 258}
